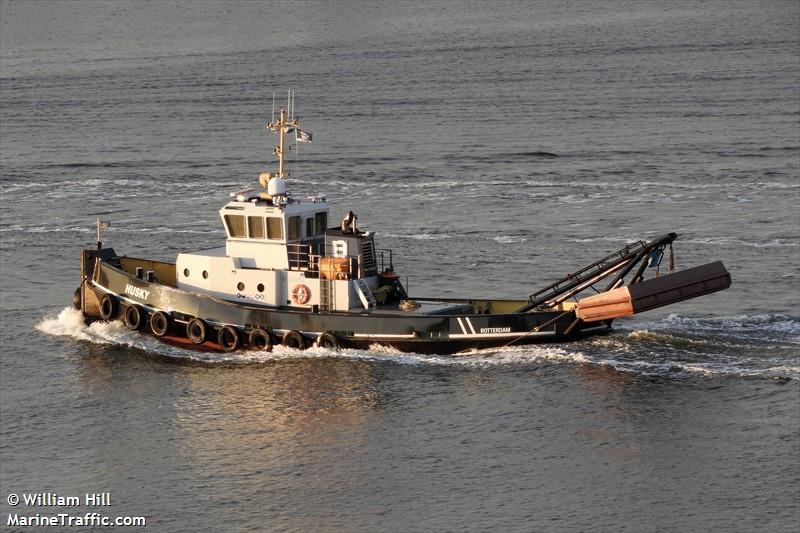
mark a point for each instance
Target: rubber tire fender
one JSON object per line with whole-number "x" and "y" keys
{"x": 76, "y": 299}
{"x": 159, "y": 323}
{"x": 108, "y": 307}
{"x": 260, "y": 339}
{"x": 228, "y": 339}
{"x": 196, "y": 330}
{"x": 294, "y": 339}
{"x": 328, "y": 340}
{"x": 133, "y": 317}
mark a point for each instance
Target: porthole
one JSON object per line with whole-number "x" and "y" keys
{"x": 260, "y": 287}
{"x": 205, "y": 274}
{"x": 240, "y": 286}
{"x": 185, "y": 272}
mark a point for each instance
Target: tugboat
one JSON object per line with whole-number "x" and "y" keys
{"x": 285, "y": 275}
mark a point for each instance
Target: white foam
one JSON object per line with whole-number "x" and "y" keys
{"x": 379, "y": 353}
{"x": 763, "y": 323}
{"x": 48, "y": 229}
{"x": 419, "y": 236}
{"x": 735, "y": 241}
{"x": 509, "y": 239}
{"x": 69, "y": 323}
{"x": 625, "y": 240}
{"x": 118, "y": 229}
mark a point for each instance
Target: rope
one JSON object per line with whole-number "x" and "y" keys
{"x": 536, "y": 328}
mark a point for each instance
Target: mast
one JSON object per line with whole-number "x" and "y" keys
{"x": 287, "y": 123}
{"x": 282, "y": 127}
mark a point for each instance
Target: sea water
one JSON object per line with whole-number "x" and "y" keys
{"x": 494, "y": 147}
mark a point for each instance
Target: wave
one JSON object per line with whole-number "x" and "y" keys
{"x": 418, "y": 236}
{"x": 735, "y": 241}
{"x": 719, "y": 241}
{"x": 649, "y": 368}
{"x": 762, "y": 324}
{"x": 509, "y": 239}
{"x": 118, "y": 229}
{"x": 69, "y": 323}
{"x": 625, "y": 240}
{"x": 503, "y": 157}
{"x": 48, "y": 229}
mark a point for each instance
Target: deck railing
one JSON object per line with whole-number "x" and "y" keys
{"x": 305, "y": 257}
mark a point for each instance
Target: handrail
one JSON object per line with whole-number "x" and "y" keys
{"x": 625, "y": 258}
{"x": 382, "y": 257}
{"x": 298, "y": 256}
{"x": 623, "y": 253}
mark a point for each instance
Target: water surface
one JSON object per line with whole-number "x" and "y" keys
{"x": 494, "y": 147}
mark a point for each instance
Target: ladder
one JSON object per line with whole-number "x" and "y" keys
{"x": 368, "y": 254}
{"x": 364, "y": 294}
{"x": 327, "y": 295}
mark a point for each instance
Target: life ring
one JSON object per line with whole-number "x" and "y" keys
{"x": 196, "y": 331}
{"x": 294, "y": 339}
{"x": 328, "y": 340}
{"x": 301, "y": 294}
{"x": 108, "y": 307}
{"x": 228, "y": 338}
{"x": 159, "y": 323}
{"x": 133, "y": 318}
{"x": 260, "y": 340}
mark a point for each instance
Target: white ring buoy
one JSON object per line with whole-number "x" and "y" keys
{"x": 301, "y": 294}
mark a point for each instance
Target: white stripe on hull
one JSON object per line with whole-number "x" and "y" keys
{"x": 500, "y": 335}
{"x": 383, "y": 336}
{"x": 469, "y": 323}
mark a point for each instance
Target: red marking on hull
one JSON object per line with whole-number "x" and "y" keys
{"x": 183, "y": 342}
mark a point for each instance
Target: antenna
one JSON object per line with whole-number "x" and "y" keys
{"x": 286, "y": 123}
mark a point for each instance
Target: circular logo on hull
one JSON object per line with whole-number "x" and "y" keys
{"x": 301, "y": 294}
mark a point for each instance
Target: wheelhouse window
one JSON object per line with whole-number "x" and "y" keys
{"x": 320, "y": 222}
{"x": 275, "y": 228}
{"x": 294, "y": 228}
{"x": 255, "y": 227}
{"x": 235, "y": 225}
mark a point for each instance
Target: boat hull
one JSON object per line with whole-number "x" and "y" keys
{"x": 405, "y": 331}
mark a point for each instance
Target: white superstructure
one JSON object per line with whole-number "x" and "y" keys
{"x": 280, "y": 251}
